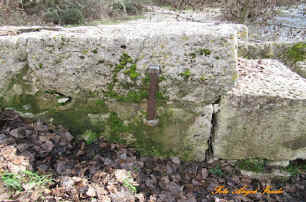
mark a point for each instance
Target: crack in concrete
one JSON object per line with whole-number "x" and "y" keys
{"x": 209, "y": 152}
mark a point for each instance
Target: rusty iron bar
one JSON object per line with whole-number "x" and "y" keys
{"x": 153, "y": 72}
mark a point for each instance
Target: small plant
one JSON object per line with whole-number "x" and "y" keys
{"x": 36, "y": 180}
{"x": 127, "y": 66}
{"x": 12, "y": 181}
{"x": 292, "y": 170}
{"x": 295, "y": 169}
{"x": 216, "y": 171}
{"x": 203, "y": 77}
{"x": 204, "y": 51}
{"x": 95, "y": 51}
{"x": 128, "y": 183}
{"x": 133, "y": 74}
{"x": 193, "y": 55}
{"x": 186, "y": 74}
{"x": 90, "y": 137}
{"x": 136, "y": 169}
{"x": 28, "y": 178}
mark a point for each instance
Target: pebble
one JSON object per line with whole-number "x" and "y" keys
{"x": 63, "y": 100}
{"x": 175, "y": 160}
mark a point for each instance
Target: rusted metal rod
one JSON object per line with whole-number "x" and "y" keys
{"x": 153, "y": 72}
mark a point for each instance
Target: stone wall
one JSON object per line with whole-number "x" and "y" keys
{"x": 94, "y": 80}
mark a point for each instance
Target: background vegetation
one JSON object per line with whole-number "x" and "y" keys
{"x": 66, "y": 11}
{"x": 17, "y": 12}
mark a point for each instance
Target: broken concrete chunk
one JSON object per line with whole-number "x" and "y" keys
{"x": 264, "y": 116}
{"x": 291, "y": 53}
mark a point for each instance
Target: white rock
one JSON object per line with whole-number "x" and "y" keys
{"x": 63, "y": 100}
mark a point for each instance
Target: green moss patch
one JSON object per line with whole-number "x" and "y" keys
{"x": 71, "y": 115}
{"x": 15, "y": 95}
{"x": 75, "y": 117}
{"x": 186, "y": 74}
{"x": 162, "y": 140}
{"x": 76, "y": 121}
{"x": 146, "y": 138}
{"x": 200, "y": 52}
{"x": 132, "y": 91}
{"x": 18, "y": 79}
{"x": 128, "y": 66}
{"x": 90, "y": 137}
{"x": 204, "y": 51}
{"x": 24, "y": 103}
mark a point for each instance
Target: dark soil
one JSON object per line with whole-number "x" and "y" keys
{"x": 112, "y": 172}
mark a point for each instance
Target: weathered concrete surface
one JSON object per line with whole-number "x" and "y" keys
{"x": 293, "y": 53}
{"x": 196, "y": 56}
{"x": 264, "y": 116}
{"x": 94, "y": 78}
{"x": 12, "y": 59}
{"x": 198, "y": 134}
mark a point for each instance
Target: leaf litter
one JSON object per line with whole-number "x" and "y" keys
{"x": 44, "y": 162}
